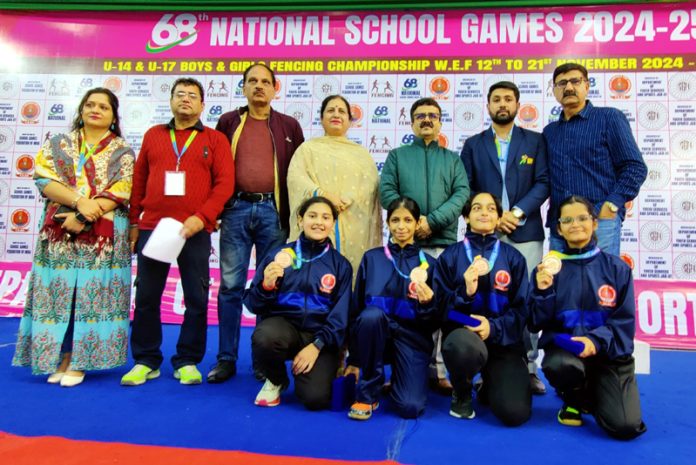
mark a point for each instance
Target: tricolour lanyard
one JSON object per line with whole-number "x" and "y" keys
{"x": 186, "y": 145}
{"x": 85, "y": 154}
{"x": 491, "y": 260}
{"x": 563, "y": 256}
{"x": 421, "y": 257}
{"x": 296, "y": 255}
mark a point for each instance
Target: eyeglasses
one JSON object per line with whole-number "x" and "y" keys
{"x": 566, "y": 220}
{"x": 190, "y": 95}
{"x": 422, "y": 116}
{"x": 564, "y": 82}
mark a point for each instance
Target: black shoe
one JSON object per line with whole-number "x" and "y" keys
{"x": 462, "y": 406}
{"x": 536, "y": 384}
{"x": 442, "y": 386}
{"x": 569, "y": 416}
{"x": 222, "y": 371}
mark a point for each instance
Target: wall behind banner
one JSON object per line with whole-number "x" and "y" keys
{"x": 642, "y": 60}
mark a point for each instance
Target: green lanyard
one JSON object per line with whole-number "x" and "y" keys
{"x": 86, "y": 155}
{"x": 186, "y": 145}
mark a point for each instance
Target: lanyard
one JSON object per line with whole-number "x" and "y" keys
{"x": 421, "y": 257}
{"x": 563, "y": 256}
{"x": 85, "y": 154}
{"x": 186, "y": 145}
{"x": 296, "y": 255}
{"x": 493, "y": 257}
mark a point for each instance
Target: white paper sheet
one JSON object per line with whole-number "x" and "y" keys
{"x": 165, "y": 242}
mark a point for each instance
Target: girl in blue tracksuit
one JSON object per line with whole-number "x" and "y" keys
{"x": 591, "y": 301}
{"x": 302, "y": 291}
{"x": 392, "y": 318}
{"x": 481, "y": 284}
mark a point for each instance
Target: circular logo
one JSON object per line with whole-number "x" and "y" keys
{"x": 7, "y": 137}
{"x": 652, "y": 115}
{"x": 162, "y": 88}
{"x": 683, "y": 145}
{"x": 502, "y": 279}
{"x": 628, "y": 260}
{"x": 468, "y": 116}
{"x": 439, "y": 85}
{"x": 607, "y": 295}
{"x": 24, "y": 165}
{"x": 325, "y": 86}
{"x": 619, "y": 85}
{"x": 682, "y": 86}
{"x": 136, "y": 114}
{"x": 301, "y": 112}
{"x": 685, "y": 266}
{"x": 684, "y": 205}
{"x": 20, "y": 219}
{"x": 114, "y": 84}
{"x": 658, "y": 175}
{"x": 655, "y": 236}
{"x": 30, "y": 112}
{"x": 357, "y": 112}
{"x": 528, "y": 114}
{"x": 442, "y": 140}
{"x": 9, "y": 87}
{"x": 328, "y": 282}
{"x": 278, "y": 86}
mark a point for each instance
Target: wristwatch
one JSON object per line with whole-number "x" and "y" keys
{"x": 517, "y": 213}
{"x": 613, "y": 208}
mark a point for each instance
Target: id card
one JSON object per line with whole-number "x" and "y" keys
{"x": 175, "y": 183}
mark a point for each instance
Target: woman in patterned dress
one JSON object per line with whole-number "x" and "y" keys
{"x": 78, "y": 301}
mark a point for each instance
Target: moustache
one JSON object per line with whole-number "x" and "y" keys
{"x": 426, "y": 124}
{"x": 569, "y": 94}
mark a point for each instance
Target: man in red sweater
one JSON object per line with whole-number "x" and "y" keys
{"x": 184, "y": 171}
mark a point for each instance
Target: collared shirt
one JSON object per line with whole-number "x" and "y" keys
{"x": 502, "y": 146}
{"x": 198, "y": 126}
{"x": 594, "y": 154}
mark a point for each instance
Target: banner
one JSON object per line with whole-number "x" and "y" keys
{"x": 641, "y": 59}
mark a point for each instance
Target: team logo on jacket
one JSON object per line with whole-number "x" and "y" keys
{"x": 502, "y": 280}
{"x": 607, "y": 296}
{"x": 412, "y": 294}
{"x": 328, "y": 282}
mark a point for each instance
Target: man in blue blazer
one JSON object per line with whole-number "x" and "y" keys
{"x": 511, "y": 162}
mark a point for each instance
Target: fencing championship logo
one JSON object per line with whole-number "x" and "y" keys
{"x": 30, "y": 112}
{"x": 171, "y": 31}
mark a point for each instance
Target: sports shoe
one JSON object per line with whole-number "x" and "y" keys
{"x": 569, "y": 416}
{"x": 269, "y": 395}
{"x": 188, "y": 374}
{"x": 461, "y": 405}
{"x": 138, "y": 375}
{"x": 536, "y": 384}
{"x": 361, "y": 411}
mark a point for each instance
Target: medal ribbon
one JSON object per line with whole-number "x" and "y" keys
{"x": 563, "y": 256}
{"x": 491, "y": 259}
{"x": 297, "y": 255}
{"x": 186, "y": 145}
{"x": 421, "y": 257}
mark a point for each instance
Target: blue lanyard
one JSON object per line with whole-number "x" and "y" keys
{"x": 186, "y": 145}
{"x": 493, "y": 257}
{"x": 298, "y": 255}
{"x": 421, "y": 257}
{"x": 85, "y": 154}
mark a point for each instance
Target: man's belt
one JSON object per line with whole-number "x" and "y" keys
{"x": 254, "y": 196}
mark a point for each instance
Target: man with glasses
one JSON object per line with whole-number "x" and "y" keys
{"x": 435, "y": 178}
{"x": 184, "y": 171}
{"x": 511, "y": 163}
{"x": 263, "y": 142}
{"x": 592, "y": 153}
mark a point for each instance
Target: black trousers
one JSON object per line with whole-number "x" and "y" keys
{"x": 276, "y": 340}
{"x": 607, "y": 388}
{"x": 503, "y": 369}
{"x": 146, "y": 335}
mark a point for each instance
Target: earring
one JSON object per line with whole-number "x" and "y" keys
{"x": 113, "y": 126}
{"x": 82, "y": 123}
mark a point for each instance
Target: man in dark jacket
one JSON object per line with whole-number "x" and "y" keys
{"x": 263, "y": 142}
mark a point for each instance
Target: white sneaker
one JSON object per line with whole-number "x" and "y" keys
{"x": 269, "y": 395}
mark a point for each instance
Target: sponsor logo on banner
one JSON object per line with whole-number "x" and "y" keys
{"x": 9, "y": 88}
{"x": 440, "y": 87}
{"x": 172, "y": 30}
{"x": 404, "y": 118}
{"x": 114, "y": 84}
{"x": 442, "y": 140}
{"x": 6, "y": 139}
{"x": 217, "y": 89}
{"x": 683, "y": 145}
{"x": 682, "y": 86}
{"x": 30, "y": 113}
{"x": 56, "y": 112}
{"x": 628, "y": 260}
{"x": 468, "y": 116}
{"x": 4, "y": 191}
{"x": 19, "y": 219}
{"x": 381, "y": 88}
{"x": 502, "y": 280}
{"x": 86, "y": 83}
{"x": 652, "y": 115}
{"x": 607, "y": 296}
{"x": 658, "y": 176}
{"x": 239, "y": 90}
{"x": 301, "y": 112}
{"x": 357, "y": 112}
{"x": 325, "y": 86}
{"x": 409, "y": 88}
{"x": 684, "y": 205}
{"x": 685, "y": 266}
{"x": 328, "y": 282}
{"x": 24, "y": 166}
{"x": 655, "y": 236}
{"x": 162, "y": 87}
{"x": 381, "y": 115}
{"x": 528, "y": 116}
{"x": 214, "y": 113}
{"x": 620, "y": 87}
{"x": 379, "y": 144}
{"x": 137, "y": 114}
{"x": 278, "y": 86}
{"x": 58, "y": 87}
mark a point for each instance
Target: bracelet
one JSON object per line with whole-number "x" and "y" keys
{"x": 81, "y": 218}
{"x": 73, "y": 205}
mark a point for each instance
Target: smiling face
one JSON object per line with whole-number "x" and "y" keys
{"x": 576, "y": 225}
{"x": 335, "y": 118}
{"x": 483, "y": 217}
{"x": 97, "y": 112}
{"x": 186, "y": 101}
{"x": 402, "y": 226}
{"x": 317, "y": 222}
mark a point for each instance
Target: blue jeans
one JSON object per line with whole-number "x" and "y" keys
{"x": 608, "y": 237}
{"x": 243, "y": 225}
